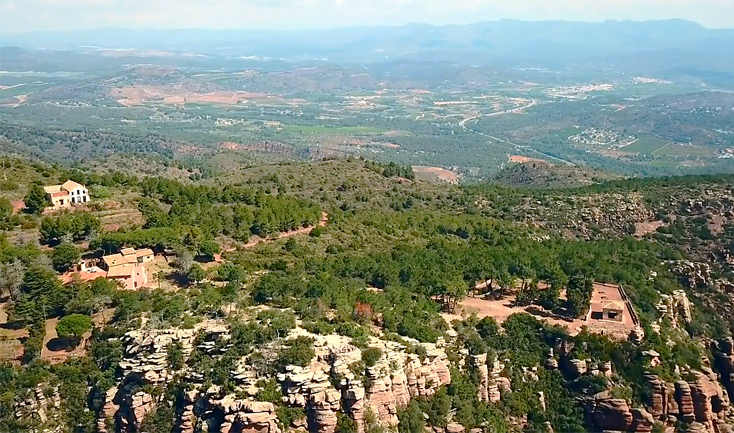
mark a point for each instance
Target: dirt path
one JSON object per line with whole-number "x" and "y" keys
{"x": 302, "y": 231}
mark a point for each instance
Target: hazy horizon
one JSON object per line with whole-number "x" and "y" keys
{"x": 70, "y": 15}
{"x": 351, "y": 26}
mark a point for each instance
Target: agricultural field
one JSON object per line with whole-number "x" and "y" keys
{"x": 270, "y": 113}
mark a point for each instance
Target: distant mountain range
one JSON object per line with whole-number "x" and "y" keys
{"x": 671, "y": 47}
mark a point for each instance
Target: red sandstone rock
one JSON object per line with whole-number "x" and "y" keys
{"x": 685, "y": 401}
{"x": 642, "y": 421}
{"x": 658, "y": 398}
{"x": 612, "y": 414}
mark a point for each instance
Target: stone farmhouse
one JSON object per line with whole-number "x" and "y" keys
{"x": 128, "y": 267}
{"x": 67, "y": 194}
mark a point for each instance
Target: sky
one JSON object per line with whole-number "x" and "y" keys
{"x": 30, "y": 15}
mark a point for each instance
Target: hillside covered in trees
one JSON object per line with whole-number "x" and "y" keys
{"x": 346, "y": 295}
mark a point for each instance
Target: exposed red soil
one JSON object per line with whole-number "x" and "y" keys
{"x": 501, "y": 309}
{"x": 172, "y": 95}
{"x": 644, "y": 228}
{"x": 519, "y": 159}
{"x": 436, "y": 173}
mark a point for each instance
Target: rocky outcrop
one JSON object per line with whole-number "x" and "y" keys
{"x": 610, "y": 413}
{"x": 701, "y": 400}
{"x": 614, "y": 414}
{"x": 333, "y": 382}
{"x": 576, "y": 367}
{"x": 642, "y": 421}
{"x": 724, "y": 362}
{"x": 491, "y": 383}
{"x": 246, "y": 416}
{"x": 106, "y": 415}
{"x": 675, "y": 307}
{"x": 146, "y": 352}
{"x": 37, "y": 406}
{"x": 336, "y": 381}
{"x": 134, "y": 407}
{"x": 685, "y": 401}
{"x": 692, "y": 274}
{"x": 662, "y": 399}
{"x": 551, "y": 363}
{"x": 710, "y": 401}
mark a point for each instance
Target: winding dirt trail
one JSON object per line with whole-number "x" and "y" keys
{"x": 302, "y": 231}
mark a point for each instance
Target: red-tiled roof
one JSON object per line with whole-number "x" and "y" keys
{"x": 123, "y": 271}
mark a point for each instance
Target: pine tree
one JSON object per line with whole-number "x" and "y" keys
{"x": 36, "y": 200}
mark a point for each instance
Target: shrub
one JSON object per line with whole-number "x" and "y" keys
{"x": 298, "y": 351}
{"x": 231, "y": 272}
{"x": 288, "y": 415}
{"x": 345, "y": 424}
{"x": 196, "y": 273}
{"x": 269, "y": 391}
{"x": 579, "y": 295}
{"x": 6, "y": 209}
{"x": 175, "y": 356}
{"x": 208, "y": 248}
{"x": 371, "y": 355}
{"x": 411, "y": 419}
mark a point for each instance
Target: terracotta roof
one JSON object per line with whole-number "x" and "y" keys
{"x": 118, "y": 259}
{"x": 60, "y": 194}
{"x": 127, "y": 251}
{"x": 50, "y": 189}
{"x": 71, "y": 185}
{"x": 121, "y": 271}
{"x": 144, "y": 252}
{"x": 83, "y": 277}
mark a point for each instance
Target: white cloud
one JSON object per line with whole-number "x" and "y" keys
{"x": 28, "y": 15}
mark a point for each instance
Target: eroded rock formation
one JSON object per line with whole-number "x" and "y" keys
{"x": 336, "y": 381}
{"x": 675, "y": 307}
{"x": 491, "y": 383}
{"x": 701, "y": 400}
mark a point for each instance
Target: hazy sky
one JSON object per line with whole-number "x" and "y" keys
{"x": 26, "y": 15}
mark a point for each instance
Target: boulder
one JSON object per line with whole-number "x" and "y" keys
{"x": 455, "y": 428}
{"x": 642, "y": 421}
{"x": 576, "y": 367}
{"x": 612, "y": 414}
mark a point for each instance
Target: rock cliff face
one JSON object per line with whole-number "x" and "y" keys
{"x": 607, "y": 413}
{"x": 39, "y": 407}
{"x": 701, "y": 400}
{"x": 700, "y": 403}
{"x": 491, "y": 383}
{"x": 336, "y": 381}
{"x": 675, "y": 307}
{"x": 332, "y": 383}
{"x": 724, "y": 361}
